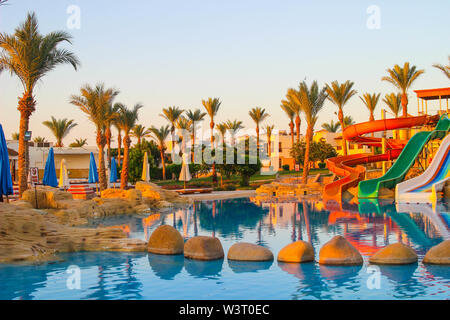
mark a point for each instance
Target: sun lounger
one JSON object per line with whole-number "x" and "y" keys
{"x": 193, "y": 191}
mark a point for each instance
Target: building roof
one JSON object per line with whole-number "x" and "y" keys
{"x": 12, "y": 153}
{"x": 68, "y": 150}
{"x": 433, "y": 94}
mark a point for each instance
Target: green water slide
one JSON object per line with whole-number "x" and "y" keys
{"x": 396, "y": 174}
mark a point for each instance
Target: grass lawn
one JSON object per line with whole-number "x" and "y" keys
{"x": 255, "y": 180}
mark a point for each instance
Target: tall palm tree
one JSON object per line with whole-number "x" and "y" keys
{"x": 340, "y": 94}
{"x": 94, "y": 102}
{"x": 332, "y": 126}
{"x": 234, "y": 126}
{"x": 111, "y": 115}
{"x": 311, "y": 100}
{"x": 194, "y": 117}
{"x": 171, "y": 114}
{"x": 290, "y": 103}
{"x": 79, "y": 143}
{"x": 160, "y": 135}
{"x": 60, "y": 129}
{"x": 39, "y": 140}
{"x": 291, "y": 115}
{"x": 116, "y": 124}
{"x": 184, "y": 125}
{"x": 394, "y": 102}
{"x": 139, "y": 132}
{"x": 402, "y": 79}
{"x": 258, "y": 115}
{"x": 212, "y": 106}
{"x": 269, "y": 130}
{"x": 371, "y": 101}
{"x": 127, "y": 120}
{"x": 444, "y": 69}
{"x": 30, "y": 56}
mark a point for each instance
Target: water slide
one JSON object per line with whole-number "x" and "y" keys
{"x": 396, "y": 174}
{"x": 427, "y": 186}
{"x": 349, "y": 167}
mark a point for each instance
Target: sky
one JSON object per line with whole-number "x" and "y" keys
{"x": 247, "y": 53}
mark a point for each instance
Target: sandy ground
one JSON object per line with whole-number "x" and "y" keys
{"x": 220, "y": 195}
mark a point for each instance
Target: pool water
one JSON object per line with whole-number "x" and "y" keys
{"x": 369, "y": 226}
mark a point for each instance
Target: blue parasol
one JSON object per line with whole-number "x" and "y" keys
{"x": 6, "y": 185}
{"x": 93, "y": 173}
{"x": 50, "y": 171}
{"x": 113, "y": 173}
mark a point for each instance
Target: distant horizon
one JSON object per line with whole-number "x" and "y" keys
{"x": 247, "y": 54}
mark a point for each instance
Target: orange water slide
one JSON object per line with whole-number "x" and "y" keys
{"x": 349, "y": 167}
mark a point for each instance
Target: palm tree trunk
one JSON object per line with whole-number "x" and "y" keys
{"x": 26, "y": 108}
{"x": 163, "y": 164}
{"x": 101, "y": 141}
{"x": 308, "y": 137}
{"x": 257, "y": 139}
{"x": 298, "y": 123}
{"x": 119, "y": 146}
{"x": 192, "y": 144}
{"x": 124, "y": 173}
{"x": 291, "y": 125}
{"x": 108, "y": 143}
{"x": 269, "y": 149}
{"x": 214, "y": 174}
{"x": 341, "y": 121}
{"x": 405, "y": 104}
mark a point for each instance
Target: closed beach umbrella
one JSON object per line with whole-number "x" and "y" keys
{"x": 93, "y": 173}
{"x": 50, "y": 171}
{"x": 185, "y": 175}
{"x": 63, "y": 176}
{"x": 6, "y": 185}
{"x": 113, "y": 171}
{"x": 146, "y": 169}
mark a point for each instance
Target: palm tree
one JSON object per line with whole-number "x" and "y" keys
{"x": 291, "y": 115}
{"x": 127, "y": 121}
{"x": 139, "y": 132}
{"x": 332, "y": 126}
{"x": 160, "y": 135}
{"x": 39, "y": 140}
{"x": 95, "y": 102}
{"x": 234, "y": 126}
{"x": 348, "y": 121}
{"x": 212, "y": 106}
{"x": 184, "y": 125}
{"x": 30, "y": 56}
{"x": 60, "y": 129}
{"x": 15, "y": 136}
{"x": 116, "y": 124}
{"x": 311, "y": 100}
{"x": 394, "y": 102}
{"x": 258, "y": 115}
{"x": 402, "y": 79}
{"x": 194, "y": 117}
{"x": 171, "y": 114}
{"x": 269, "y": 130}
{"x": 112, "y": 114}
{"x": 371, "y": 101}
{"x": 222, "y": 128}
{"x": 79, "y": 143}
{"x": 340, "y": 94}
{"x": 444, "y": 69}
{"x": 290, "y": 103}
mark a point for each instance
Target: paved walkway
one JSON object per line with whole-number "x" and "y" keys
{"x": 220, "y": 195}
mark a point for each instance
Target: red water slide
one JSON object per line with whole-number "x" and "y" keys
{"x": 349, "y": 167}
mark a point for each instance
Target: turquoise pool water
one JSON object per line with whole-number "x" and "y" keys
{"x": 369, "y": 226}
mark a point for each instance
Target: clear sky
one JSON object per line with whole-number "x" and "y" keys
{"x": 248, "y": 53}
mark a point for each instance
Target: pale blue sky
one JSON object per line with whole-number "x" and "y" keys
{"x": 248, "y": 53}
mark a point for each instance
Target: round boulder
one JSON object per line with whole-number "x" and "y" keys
{"x": 166, "y": 240}
{"x": 338, "y": 251}
{"x": 297, "y": 252}
{"x": 203, "y": 248}
{"x": 396, "y": 253}
{"x": 439, "y": 254}
{"x": 249, "y": 252}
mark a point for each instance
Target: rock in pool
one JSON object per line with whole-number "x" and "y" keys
{"x": 338, "y": 251}
{"x": 203, "y": 248}
{"x": 166, "y": 240}
{"x": 439, "y": 254}
{"x": 396, "y": 253}
{"x": 297, "y": 252}
{"x": 249, "y": 252}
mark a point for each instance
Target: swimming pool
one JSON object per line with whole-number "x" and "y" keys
{"x": 369, "y": 226}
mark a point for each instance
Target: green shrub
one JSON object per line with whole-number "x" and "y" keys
{"x": 230, "y": 187}
{"x": 286, "y": 167}
{"x": 322, "y": 165}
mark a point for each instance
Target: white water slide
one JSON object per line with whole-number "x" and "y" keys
{"x": 428, "y": 186}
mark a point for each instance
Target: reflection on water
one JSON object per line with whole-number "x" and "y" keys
{"x": 369, "y": 226}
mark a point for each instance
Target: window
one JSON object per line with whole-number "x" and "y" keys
{"x": 280, "y": 147}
